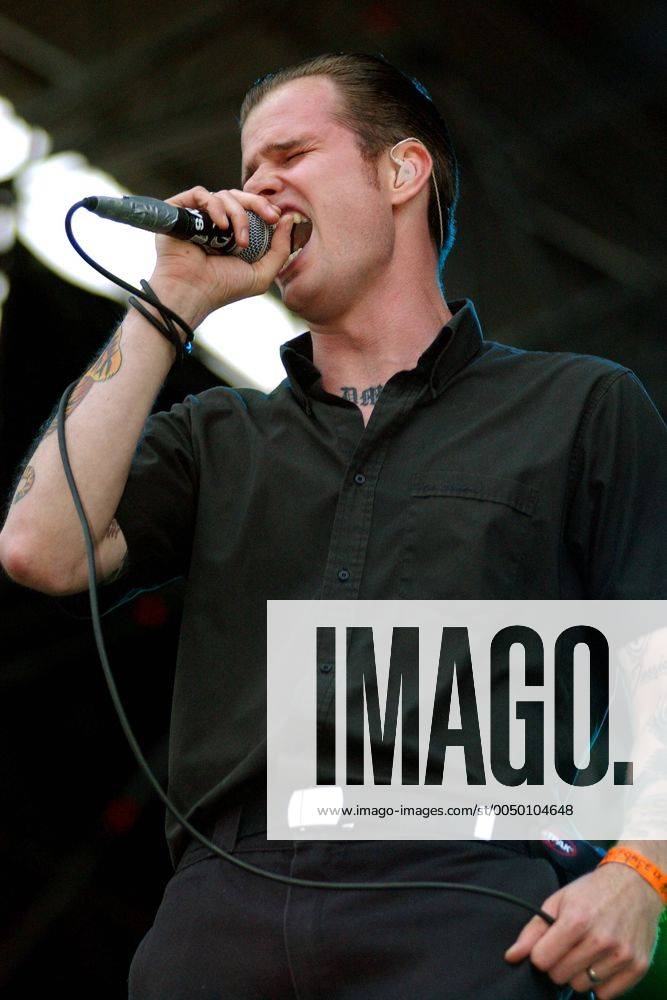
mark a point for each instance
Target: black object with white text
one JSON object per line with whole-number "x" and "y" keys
{"x": 187, "y": 224}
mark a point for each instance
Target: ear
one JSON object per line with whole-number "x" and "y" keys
{"x": 408, "y": 170}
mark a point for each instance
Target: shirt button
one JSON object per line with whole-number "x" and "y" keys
{"x": 343, "y": 574}
{"x": 326, "y": 668}
{"x": 360, "y": 479}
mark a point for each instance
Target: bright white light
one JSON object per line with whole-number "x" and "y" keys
{"x": 15, "y": 141}
{"x": 241, "y": 341}
{"x": 40, "y": 144}
{"x": 46, "y": 189}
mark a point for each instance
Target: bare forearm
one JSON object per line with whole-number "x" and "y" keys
{"x": 654, "y": 850}
{"x": 103, "y": 422}
{"x": 42, "y": 540}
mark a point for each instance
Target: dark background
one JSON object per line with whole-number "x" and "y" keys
{"x": 553, "y": 110}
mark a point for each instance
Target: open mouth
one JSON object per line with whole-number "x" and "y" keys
{"x": 300, "y": 235}
{"x": 301, "y": 231}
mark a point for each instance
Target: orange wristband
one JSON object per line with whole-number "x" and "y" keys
{"x": 653, "y": 875}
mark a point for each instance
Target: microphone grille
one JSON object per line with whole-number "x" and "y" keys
{"x": 261, "y": 234}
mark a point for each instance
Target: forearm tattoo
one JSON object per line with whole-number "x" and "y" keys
{"x": 25, "y": 484}
{"x": 102, "y": 369}
{"x": 112, "y": 530}
{"x": 363, "y": 397}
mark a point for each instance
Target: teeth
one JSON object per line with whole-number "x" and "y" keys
{"x": 295, "y": 254}
{"x": 290, "y": 259}
{"x": 298, "y": 217}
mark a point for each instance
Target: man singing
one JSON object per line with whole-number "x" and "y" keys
{"x": 404, "y": 456}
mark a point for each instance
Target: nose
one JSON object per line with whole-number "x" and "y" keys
{"x": 265, "y": 183}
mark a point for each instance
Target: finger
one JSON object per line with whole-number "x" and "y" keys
{"x": 527, "y": 939}
{"x": 614, "y": 985}
{"x": 206, "y": 201}
{"x": 227, "y": 207}
{"x": 259, "y": 204}
{"x": 267, "y": 267}
{"x": 619, "y": 984}
{"x": 612, "y": 971}
{"x": 195, "y": 197}
{"x": 587, "y": 955}
{"x": 237, "y": 215}
{"x": 237, "y": 211}
{"x": 573, "y": 927}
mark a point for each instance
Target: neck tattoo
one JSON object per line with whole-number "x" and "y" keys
{"x": 362, "y": 397}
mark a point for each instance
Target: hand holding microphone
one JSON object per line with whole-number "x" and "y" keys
{"x": 188, "y": 224}
{"x": 245, "y": 239}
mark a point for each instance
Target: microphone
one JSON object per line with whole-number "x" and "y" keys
{"x": 188, "y": 224}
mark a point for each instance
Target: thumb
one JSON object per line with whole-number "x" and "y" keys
{"x": 267, "y": 267}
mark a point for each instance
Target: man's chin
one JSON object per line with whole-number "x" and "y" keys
{"x": 302, "y": 303}
{"x": 288, "y": 289}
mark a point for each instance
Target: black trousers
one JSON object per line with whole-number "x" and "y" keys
{"x": 221, "y": 933}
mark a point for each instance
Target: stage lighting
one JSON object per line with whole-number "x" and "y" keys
{"x": 45, "y": 190}
{"x": 241, "y": 342}
{"x": 16, "y": 141}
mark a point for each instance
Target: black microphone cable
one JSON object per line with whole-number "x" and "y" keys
{"x": 169, "y": 317}
{"x": 120, "y": 711}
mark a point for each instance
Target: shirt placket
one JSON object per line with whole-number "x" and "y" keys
{"x": 354, "y": 511}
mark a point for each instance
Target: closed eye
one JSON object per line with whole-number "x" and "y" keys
{"x": 296, "y": 154}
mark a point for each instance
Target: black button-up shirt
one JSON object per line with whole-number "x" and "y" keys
{"x": 484, "y": 472}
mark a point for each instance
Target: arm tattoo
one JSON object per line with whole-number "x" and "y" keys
{"x": 113, "y": 529}
{"x": 102, "y": 369}
{"x": 366, "y": 397}
{"x": 25, "y": 484}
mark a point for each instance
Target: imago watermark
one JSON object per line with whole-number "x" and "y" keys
{"x": 454, "y": 719}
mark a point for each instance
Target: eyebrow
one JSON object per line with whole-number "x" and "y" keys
{"x": 274, "y": 147}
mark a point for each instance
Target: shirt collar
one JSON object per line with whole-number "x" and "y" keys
{"x": 453, "y": 347}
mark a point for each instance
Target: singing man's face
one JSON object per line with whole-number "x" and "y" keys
{"x": 325, "y": 178}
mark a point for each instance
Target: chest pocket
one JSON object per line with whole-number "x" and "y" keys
{"x": 468, "y": 537}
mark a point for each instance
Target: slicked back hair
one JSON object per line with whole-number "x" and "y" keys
{"x": 380, "y": 105}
